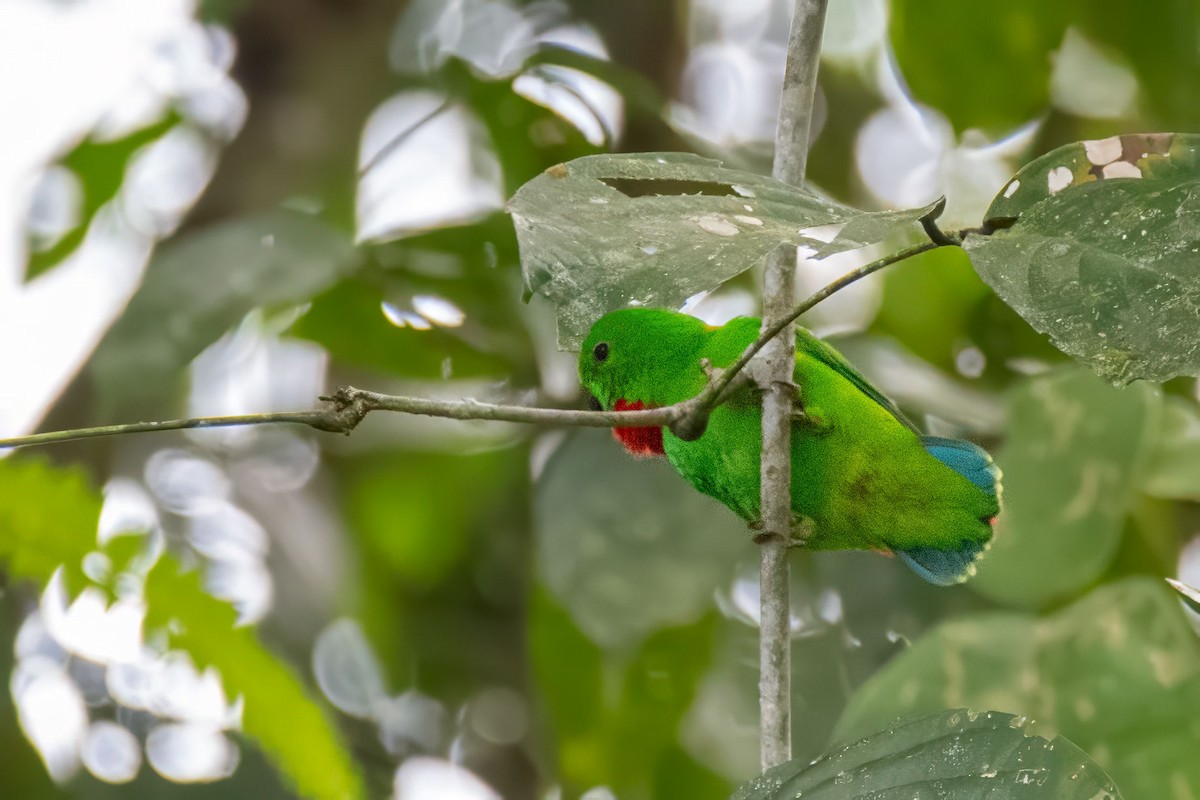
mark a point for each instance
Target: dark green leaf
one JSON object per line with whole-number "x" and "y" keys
{"x": 280, "y": 713}
{"x": 602, "y": 232}
{"x": 100, "y": 169}
{"x": 1070, "y": 463}
{"x": 948, "y": 754}
{"x": 1117, "y": 673}
{"x": 1103, "y": 251}
{"x": 201, "y": 284}
{"x": 625, "y": 544}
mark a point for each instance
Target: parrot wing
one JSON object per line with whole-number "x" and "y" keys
{"x": 838, "y": 363}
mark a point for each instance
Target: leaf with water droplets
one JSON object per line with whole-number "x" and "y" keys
{"x": 947, "y": 754}
{"x": 606, "y": 231}
{"x": 1117, "y": 673}
{"x": 1102, "y": 253}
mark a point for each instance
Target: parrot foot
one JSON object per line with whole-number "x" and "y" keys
{"x": 808, "y": 419}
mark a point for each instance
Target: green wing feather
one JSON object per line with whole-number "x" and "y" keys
{"x": 825, "y": 353}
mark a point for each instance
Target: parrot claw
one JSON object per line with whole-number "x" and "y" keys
{"x": 810, "y": 420}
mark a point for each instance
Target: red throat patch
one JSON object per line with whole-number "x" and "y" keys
{"x": 639, "y": 441}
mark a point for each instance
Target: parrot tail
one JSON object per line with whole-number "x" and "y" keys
{"x": 948, "y": 567}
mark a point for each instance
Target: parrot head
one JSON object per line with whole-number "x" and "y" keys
{"x": 639, "y": 358}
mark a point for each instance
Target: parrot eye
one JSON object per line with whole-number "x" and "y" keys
{"x": 600, "y": 353}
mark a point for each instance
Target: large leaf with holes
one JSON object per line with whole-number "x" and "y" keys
{"x": 1117, "y": 673}
{"x": 280, "y": 714}
{"x": 652, "y": 229}
{"x": 1073, "y": 453}
{"x": 1102, "y": 254}
{"x": 947, "y": 754}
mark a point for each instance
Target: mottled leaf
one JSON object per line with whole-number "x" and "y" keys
{"x": 1173, "y": 469}
{"x": 1102, "y": 253}
{"x": 1117, "y": 673}
{"x": 636, "y": 551}
{"x": 948, "y": 754}
{"x": 1070, "y": 463}
{"x": 280, "y": 713}
{"x": 653, "y": 229}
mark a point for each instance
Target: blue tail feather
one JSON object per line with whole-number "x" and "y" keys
{"x": 948, "y": 567}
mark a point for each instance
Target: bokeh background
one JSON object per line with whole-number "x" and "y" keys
{"x": 228, "y": 207}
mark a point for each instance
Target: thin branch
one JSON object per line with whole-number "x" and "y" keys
{"x": 347, "y": 407}
{"x": 779, "y": 357}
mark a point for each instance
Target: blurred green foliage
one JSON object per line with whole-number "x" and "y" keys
{"x": 606, "y": 594}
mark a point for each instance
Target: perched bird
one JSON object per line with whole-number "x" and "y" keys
{"x": 863, "y": 477}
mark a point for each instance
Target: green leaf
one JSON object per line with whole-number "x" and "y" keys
{"x": 100, "y": 169}
{"x": 606, "y": 231}
{"x": 1102, "y": 253}
{"x": 1151, "y": 34}
{"x": 625, "y": 544}
{"x": 48, "y": 519}
{"x": 1173, "y": 470}
{"x": 1117, "y": 673}
{"x": 280, "y": 713}
{"x": 948, "y": 754}
{"x": 983, "y": 70}
{"x": 1070, "y": 463}
{"x": 616, "y": 712}
{"x": 202, "y": 283}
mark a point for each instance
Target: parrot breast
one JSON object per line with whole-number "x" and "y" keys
{"x": 638, "y": 441}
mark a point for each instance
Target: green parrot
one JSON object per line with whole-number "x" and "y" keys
{"x": 863, "y": 476}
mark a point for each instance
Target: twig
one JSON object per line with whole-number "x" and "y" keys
{"x": 346, "y": 407}
{"x": 779, "y": 354}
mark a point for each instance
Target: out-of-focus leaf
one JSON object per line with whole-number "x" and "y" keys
{"x": 983, "y": 71}
{"x": 625, "y": 544}
{"x": 606, "y": 231}
{"x": 350, "y": 323}
{"x": 1074, "y": 450}
{"x": 1190, "y": 595}
{"x": 48, "y": 519}
{"x": 412, "y": 513}
{"x": 947, "y": 754}
{"x": 1173, "y": 470}
{"x": 100, "y": 169}
{"x": 1102, "y": 254}
{"x": 280, "y": 713}
{"x": 1153, "y": 36}
{"x": 1117, "y": 673}
{"x": 202, "y": 283}
{"x": 616, "y": 713}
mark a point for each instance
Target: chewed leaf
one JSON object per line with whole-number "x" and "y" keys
{"x": 607, "y": 231}
{"x": 948, "y": 754}
{"x": 1102, "y": 253}
{"x": 1139, "y": 155}
{"x": 1189, "y": 594}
